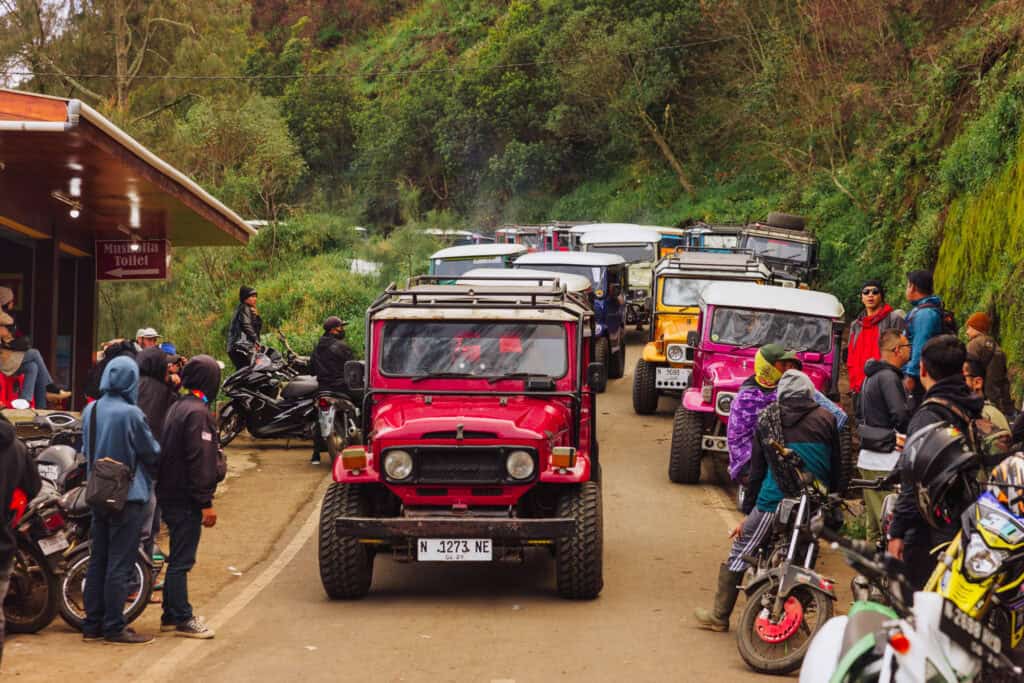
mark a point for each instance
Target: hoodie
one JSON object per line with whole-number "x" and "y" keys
{"x": 863, "y": 347}
{"x": 883, "y": 399}
{"x": 121, "y": 430}
{"x": 739, "y": 431}
{"x": 155, "y": 395}
{"x": 188, "y": 468}
{"x": 923, "y": 322}
{"x": 17, "y": 471}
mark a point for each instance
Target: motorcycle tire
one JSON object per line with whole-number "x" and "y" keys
{"x": 338, "y": 438}
{"x": 32, "y": 596}
{"x": 782, "y": 657}
{"x": 72, "y": 589}
{"x": 230, "y": 423}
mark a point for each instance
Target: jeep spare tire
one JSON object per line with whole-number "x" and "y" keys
{"x": 785, "y": 220}
{"x": 685, "y": 454}
{"x": 645, "y": 395}
{"x": 579, "y": 558}
{"x": 346, "y": 565}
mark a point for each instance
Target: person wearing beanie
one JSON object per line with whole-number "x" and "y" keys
{"x": 328, "y": 364}
{"x": 984, "y": 348}
{"x": 245, "y": 329}
{"x": 877, "y": 317}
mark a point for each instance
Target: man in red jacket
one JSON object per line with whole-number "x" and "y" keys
{"x": 876, "y": 317}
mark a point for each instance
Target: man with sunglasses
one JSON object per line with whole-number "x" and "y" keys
{"x": 876, "y": 318}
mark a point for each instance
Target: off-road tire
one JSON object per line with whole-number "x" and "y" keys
{"x": 847, "y": 457}
{"x": 346, "y": 566}
{"x": 745, "y": 635}
{"x": 602, "y": 353}
{"x": 645, "y": 395}
{"x": 785, "y": 220}
{"x": 685, "y": 454}
{"x": 230, "y": 423}
{"x": 338, "y": 440}
{"x": 579, "y": 558}
{"x": 30, "y": 569}
{"x": 617, "y": 363}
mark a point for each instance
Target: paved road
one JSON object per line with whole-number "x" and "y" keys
{"x": 663, "y": 544}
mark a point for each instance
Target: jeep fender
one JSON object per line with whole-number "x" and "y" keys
{"x": 693, "y": 402}
{"x": 652, "y": 355}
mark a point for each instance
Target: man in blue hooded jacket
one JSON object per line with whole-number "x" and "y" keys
{"x": 123, "y": 435}
{"x": 923, "y": 322}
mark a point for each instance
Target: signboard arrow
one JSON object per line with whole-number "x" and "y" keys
{"x": 127, "y": 260}
{"x": 125, "y": 272}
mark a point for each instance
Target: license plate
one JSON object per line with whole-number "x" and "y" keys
{"x": 672, "y": 378}
{"x": 53, "y": 544}
{"x": 48, "y": 471}
{"x": 971, "y": 634}
{"x": 454, "y": 549}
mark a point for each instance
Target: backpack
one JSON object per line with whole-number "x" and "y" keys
{"x": 947, "y": 319}
{"x": 990, "y": 442}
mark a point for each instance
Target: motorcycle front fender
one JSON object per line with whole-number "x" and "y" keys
{"x": 789, "y": 576}
{"x": 822, "y": 656}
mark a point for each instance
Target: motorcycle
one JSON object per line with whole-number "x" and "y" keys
{"x": 861, "y": 588}
{"x": 337, "y": 421}
{"x": 787, "y": 601}
{"x": 931, "y": 640}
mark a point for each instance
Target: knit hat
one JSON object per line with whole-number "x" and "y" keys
{"x": 980, "y": 321}
{"x": 873, "y": 282}
{"x": 6, "y": 295}
{"x": 244, "y": 292}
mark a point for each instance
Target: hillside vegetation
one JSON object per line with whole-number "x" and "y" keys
{"x": 893, "y": 125}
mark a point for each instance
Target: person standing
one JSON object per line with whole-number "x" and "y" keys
{"x": 156, "y": 396}
{"x": 17, "y": 471}
{"x": 328, "y": 364}
{"x": 877, "y": 317}
{"x": 884, "y": 418}
{"x": 246, "y": 326}
{"x": 923, "y": 322}
{"x": 189, "y": 473}
{"x": 121, "y": 433}
{"x": 146, "y": 338}
{"x": 974, "y": 376}
{"x": 981, "y": 346}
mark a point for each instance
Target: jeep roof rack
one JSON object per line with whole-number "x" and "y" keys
{"x": 704, "y": 261}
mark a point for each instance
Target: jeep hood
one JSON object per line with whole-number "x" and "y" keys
{"x": 673, "y": 327}
{"x": 640, "y": 275}
{"x": 411, "y": 418}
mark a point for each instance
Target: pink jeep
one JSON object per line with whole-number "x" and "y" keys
{"x": 479, "y": 410}
{"x": 735, "y": 320}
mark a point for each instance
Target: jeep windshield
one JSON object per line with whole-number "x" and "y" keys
{"x": 423, "y": 349}
{"x": 681, "y": 291}
{"x": 456, "y": 267}
{"x": 779, "y": 249}
{"x": 631, "y": 253}
{"x": 753, "y": 328}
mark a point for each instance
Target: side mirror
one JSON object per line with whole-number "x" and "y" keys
{"x": 693, "y": 339}
{"x": 355, "y": 374}
{"x": 597, "y": 377}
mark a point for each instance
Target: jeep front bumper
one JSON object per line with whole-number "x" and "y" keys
{"x": 456, "y": 527}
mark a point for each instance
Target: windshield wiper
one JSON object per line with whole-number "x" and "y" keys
{"x": 439, "y": 375}
{"x": 515, "y": 375}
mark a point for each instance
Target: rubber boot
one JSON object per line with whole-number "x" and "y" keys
{"x": 717, "y": 618}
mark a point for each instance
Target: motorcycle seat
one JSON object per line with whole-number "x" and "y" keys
{"x": 300, "y": 387}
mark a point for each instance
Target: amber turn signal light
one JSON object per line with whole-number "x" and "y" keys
{"x": 354, "y": 458}
{"x": 563, "y": 457}
{"x": 899, "y": 642}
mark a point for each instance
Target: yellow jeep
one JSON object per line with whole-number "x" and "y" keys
{"x": 667, "y": 358}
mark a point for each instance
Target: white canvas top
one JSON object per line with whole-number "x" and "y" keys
{"x": 770, "y": 298}
{"x": 468, "y": 251}
{"x": 621, "y": 234}
{"x": 569, "y": 258}
{"x": 520, "y": 277}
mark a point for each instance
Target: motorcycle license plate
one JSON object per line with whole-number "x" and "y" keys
{"x": 971, "y": 634}
{"x": 53, "y": 544}
{"x": 672, "y": 378}
{"x": 454, "y": 550}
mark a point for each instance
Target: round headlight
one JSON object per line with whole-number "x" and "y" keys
{"x": 724, "y": 403}
{"x": 398, "y": 464}
{"x": 980, "y": 560}
{"x": 676, "y": 353}
{"x": 519, "y": 464}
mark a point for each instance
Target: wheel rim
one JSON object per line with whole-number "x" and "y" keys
{"x": 27, "y": 595}
{"x": 230, "y": 427}
{"x": 792, "y": 632}
{"x": 74, "y": 588}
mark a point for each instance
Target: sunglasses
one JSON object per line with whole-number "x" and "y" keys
{"x": 871, "y": 291}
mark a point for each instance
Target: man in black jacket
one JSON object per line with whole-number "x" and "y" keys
{"x": 328, "y": 364}
{"x": 185, "y": 487}
{"x": 946, "y": 399}
{"x": 17, "y": 471}
{"x": 246, "y": 326}
{"x": 156, "y": 396}
{"x": 884, "y": 417}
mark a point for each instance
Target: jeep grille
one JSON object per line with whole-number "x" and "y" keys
{"x": 452, "y": 465}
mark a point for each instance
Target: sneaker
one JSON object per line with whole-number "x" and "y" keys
{"x": 167, "y": 626}
{"x": 90, "y": 637}
{"x": 129, "y": 637}
{"x": 315, "y": 460}
{"x": 194, "y": 628}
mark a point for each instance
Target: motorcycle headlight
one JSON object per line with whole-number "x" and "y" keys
{"x": 398, "y": 464}
{"x": 519, "y": 465}
{"x": 980, "y": 561}
{"x": 676, "y": 353}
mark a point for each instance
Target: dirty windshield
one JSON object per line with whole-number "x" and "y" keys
{"x": 455, "y": 267}
{"x": 423, "y": 349}
{"x": 681, "y": 291}
{"x": 632, "y": 253}
{"x": 785, "y": 250}
{"x": 755, "y": 328}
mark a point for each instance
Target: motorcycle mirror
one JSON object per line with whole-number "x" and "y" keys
{"x": 20, "y": 404}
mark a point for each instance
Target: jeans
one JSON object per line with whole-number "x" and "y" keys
{"x": 37, "y": 378}
{"x": 108, "y": 581}
{"x": 184, "y": 524}
{"x": 5, "y": 582}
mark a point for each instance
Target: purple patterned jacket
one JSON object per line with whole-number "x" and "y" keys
{"x": 748, "y": 404}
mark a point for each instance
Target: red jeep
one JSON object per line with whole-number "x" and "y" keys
{"x": 479, "y": 410}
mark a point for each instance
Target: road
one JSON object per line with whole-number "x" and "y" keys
{"x": 663, "y": 545}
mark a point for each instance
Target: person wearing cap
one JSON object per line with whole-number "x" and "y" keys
{"x": 924, "y": 321}
{"x": 246, "y": 326}
{"x": 755, "y": 393}
{"x": 18, "y": 358}
{"x": 877, "y": 317}
{"x": 328, "y": 363}
{"x": 146, "y": 338}
{"x": 984, "y": 348}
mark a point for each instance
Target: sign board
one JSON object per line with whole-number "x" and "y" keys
{"x": 121, "y": 260}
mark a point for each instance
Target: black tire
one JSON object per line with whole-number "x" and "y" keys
{"x": 338, "y": 439}
{"x": 32, "y": 596}
{"x": 785, "y": 220}
{"x": 685, "y": 454}
{"x": 72, "y": 588}
{"x": 847, "y": 457}
{"x": 230, "y": 423}
{"x": 579, "y": 558}
{"x": 346, "y": 566}
{"x": 617, "y": 363}
{"x": 645, "y": 396}
{"x": 758, "y": 654}
{"x": 602, "y": 353}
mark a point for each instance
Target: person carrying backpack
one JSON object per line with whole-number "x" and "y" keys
{"x": 924, "y": 321}
{"x": 985, "y": 349}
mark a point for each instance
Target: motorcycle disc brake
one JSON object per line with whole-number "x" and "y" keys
{"x": 776, "y": 632}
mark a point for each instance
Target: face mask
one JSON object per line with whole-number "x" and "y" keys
{"x": 766, "y": 374}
